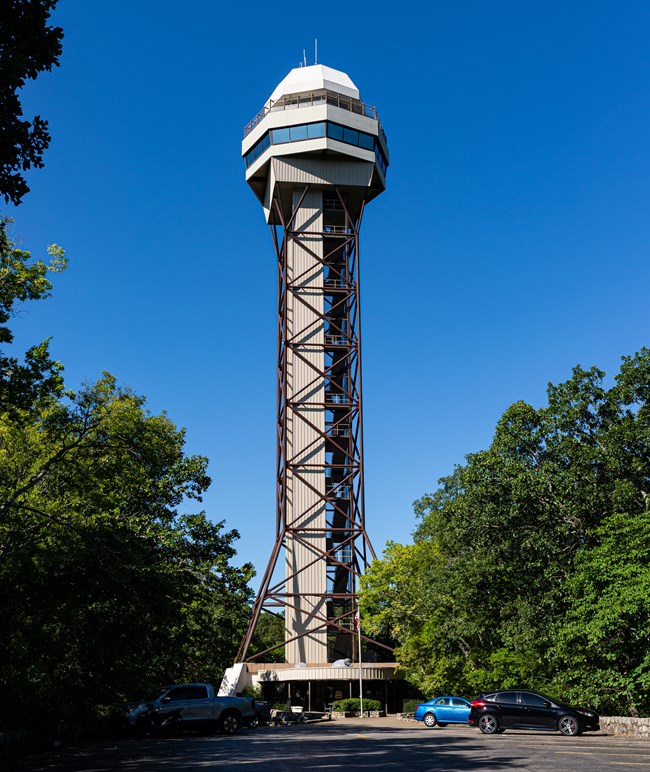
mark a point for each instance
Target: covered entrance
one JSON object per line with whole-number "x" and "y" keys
{"x": 316, "y": 688}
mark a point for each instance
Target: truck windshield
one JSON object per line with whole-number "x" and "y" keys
{"x": 156, "y": 695}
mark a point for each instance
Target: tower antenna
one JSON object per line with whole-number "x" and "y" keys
{"x": 304, "y": 58}
{"x": 315, "y": 50}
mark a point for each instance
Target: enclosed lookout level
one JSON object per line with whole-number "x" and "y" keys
{"x": 341, "y": 141}
{"x": 315, "y": 155}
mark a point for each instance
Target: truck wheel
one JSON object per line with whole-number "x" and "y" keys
{"x": 229, "y": 723}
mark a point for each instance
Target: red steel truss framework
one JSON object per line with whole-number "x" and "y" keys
{"x": 344, "y": 547}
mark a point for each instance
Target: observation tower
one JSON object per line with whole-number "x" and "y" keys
{"x": 315, "y": 155}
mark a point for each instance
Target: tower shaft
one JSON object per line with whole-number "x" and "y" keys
{"x": 320, "y": 447}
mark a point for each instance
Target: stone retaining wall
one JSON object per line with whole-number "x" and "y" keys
{"x": 627, "y": 727}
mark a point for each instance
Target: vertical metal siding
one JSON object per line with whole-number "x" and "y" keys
{"x": 330, "y": 172}
{"x": 305, "y": 446}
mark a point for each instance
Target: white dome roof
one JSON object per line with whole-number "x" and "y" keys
{"x": 313, "y": 78}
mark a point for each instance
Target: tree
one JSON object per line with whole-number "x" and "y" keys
{"x": 402, "y": 600}
{"x": 28, "y": 46}
{"x": 602, "y": 653}
{"x": 106, "y": 589}
{"x": 23, "y": 384}
{"x": 603, "y": 643}
{"x": 269, "y": 632}
{"x": 512, "y": 533}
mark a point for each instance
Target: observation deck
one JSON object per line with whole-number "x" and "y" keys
{"x": 315, "y": 121}
{"x": 310, "y": 99}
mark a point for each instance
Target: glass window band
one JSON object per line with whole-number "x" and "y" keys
{"x": 312, "y": 131}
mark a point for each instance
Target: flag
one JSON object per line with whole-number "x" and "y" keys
{"x": 357, "y": 621}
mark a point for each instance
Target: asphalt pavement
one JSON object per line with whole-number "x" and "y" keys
{"x": 351, "y": 744}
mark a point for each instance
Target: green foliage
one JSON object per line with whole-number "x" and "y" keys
{"x": 253, "y": 691}
{"x": 353, "y": 705}
{"x": 269, "y": 633}
{"x": 603, "y": 647}
{"x": 107, "y": 588}
{"x": 25, "y": 383}
{"x": 28, "y": 46}
{"x": 529, "y": 565}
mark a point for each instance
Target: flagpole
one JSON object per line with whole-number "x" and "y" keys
{"x": 357, "y": 620}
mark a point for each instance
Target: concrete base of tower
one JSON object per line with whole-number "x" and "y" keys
{"x": 315, "y": 686}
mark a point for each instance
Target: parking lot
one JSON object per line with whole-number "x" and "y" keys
{"x": 354, "y": 744}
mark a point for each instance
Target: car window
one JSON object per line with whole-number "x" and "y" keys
{"x": 197, "y": 693}
{"x": 528, "y": 698}
{"x": 442, "y": 701}
{"x": 178, "y": 694}
{"x": 506, "y": 697}
{"x": 490, "y": 697}
{"x": 458, "y": 703}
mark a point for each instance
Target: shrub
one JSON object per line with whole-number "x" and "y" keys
{"x": 253, "y": 691}
{"x": 352, "y": 705}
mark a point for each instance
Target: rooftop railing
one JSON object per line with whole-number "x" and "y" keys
{"x": 309, "y": 99}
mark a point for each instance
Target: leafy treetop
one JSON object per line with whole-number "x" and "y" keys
{"x": 23, "y": 279}
{"x": 28, "y": 45}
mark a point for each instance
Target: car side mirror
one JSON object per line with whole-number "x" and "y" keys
{"x": 165, "y": 700}
{"x": 547, "y": 704}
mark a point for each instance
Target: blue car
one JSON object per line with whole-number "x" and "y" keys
{"x": 443, "y": 711}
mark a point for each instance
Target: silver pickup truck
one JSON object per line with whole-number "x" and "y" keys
{"x": 199, "y": 706}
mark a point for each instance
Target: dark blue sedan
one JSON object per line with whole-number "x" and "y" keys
{"x": 443, "y": 711}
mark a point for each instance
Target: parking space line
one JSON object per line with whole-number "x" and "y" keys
{"x": 640, "y": 756}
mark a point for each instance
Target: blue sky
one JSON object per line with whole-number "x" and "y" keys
{"x": 510, "y": 245}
